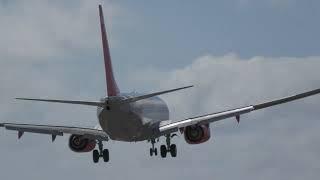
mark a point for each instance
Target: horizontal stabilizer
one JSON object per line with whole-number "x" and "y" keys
{"x": 133, "y": 99}
{"x": 88, "y": 103}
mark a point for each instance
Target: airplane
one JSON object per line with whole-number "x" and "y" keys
{"x": 133, "y": 117}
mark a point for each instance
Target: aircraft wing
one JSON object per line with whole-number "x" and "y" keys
{"x": 55, "y": 130}
{"x": 171, "y": 126}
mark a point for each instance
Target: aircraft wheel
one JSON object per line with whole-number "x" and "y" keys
{"x": 155, "y": 151}
{"x": 173, "y": 150}
{"x": 95, "y": 155}
{"x": 163, "y": 151}
{"x": 105, "y": 155}
{"x": 151, "y": 152}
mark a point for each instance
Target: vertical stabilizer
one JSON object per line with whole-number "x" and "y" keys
{"x": 112, "y": 87}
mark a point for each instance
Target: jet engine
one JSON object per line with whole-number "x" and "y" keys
{"x": 79, "y": 143}
{"x": 197, "y": 134}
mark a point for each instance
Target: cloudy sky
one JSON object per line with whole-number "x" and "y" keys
{"x": 235, "y": 52}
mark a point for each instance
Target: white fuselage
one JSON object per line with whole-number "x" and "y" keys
{"x": 133, "y": 121}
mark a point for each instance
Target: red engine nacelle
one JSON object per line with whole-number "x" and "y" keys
{"x": 78, "y": 143}
{"x": 197, "y": 134}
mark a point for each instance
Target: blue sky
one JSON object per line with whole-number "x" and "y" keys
{"x": 179, "y": 31}
{"x": 235, "y": 52}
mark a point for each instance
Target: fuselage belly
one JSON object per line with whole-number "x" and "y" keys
{"x": 133, "y": 121}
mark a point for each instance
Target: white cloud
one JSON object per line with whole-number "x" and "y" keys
{"x": 229, "y": 81}
{"x": 41, "y": 30}
{"x": 266, "y": 144}
{"x": 278, "y": 143}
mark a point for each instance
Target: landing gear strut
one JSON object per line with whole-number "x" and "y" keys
{"x": 153, "y": 150}
{"x": 104, "y": 153}
{"x": 172, "y": 148}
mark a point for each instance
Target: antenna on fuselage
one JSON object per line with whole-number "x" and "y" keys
{"x": 112, "y": 87}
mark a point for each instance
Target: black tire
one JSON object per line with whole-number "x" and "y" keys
{"x": 173, "y": 150}
{"x": 163, "y": 151}
{"x": 95, "y": 156}
{"x": 105, "y": 155}
{"x": 155, "y": 151}
{"x": 151, "y": 152}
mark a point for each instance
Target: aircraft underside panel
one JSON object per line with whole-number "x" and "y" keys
{"x": 135, "y": 121}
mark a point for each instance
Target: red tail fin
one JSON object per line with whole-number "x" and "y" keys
{"x": 112, "y": 87}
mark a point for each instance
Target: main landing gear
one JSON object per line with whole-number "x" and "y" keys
{"x": 153, "y": 150}
{"x": 164, "y": 149}
{"x": 172, "y": 148}
{"x": 104, "y": 153}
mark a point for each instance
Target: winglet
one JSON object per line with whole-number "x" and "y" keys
{"x": 112, "y": 87}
